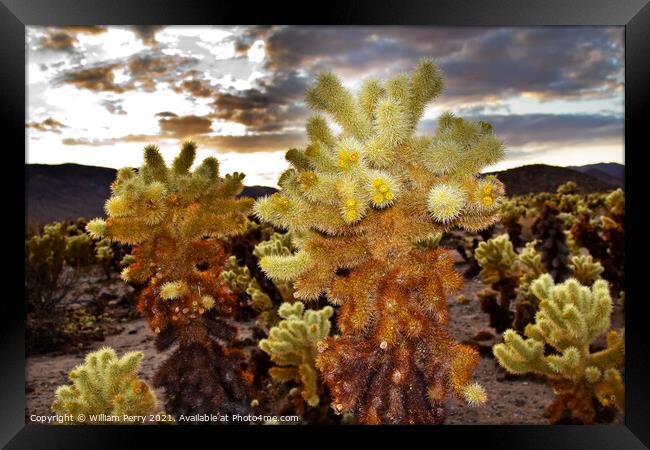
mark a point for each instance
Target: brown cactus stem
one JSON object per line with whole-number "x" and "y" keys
{"x": 398, "y": 368}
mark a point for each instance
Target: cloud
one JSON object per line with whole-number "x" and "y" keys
{"x": 261, "y": 142}
{"x": 518, "y": 130}
{"x": 98, "y": 78}
{"x": 83, "y": 29}
{"x": 89, "y": 142}
{"x": 551, "y": 129}
{"x": 354, "y": 50}
{"x": 47, "y": 125}
{"x": 114, "y": 107}
{"x": 275, "y": 105}
{"x": 490, "y": 73}
{"x": 196, "y": 88}
{"x": 245, "y": 39}
{"x": 144, "y": 71}
{"x": 65, "y": 38}
{"x": 166, "y": 114}
{"x": 183, "y": 126}
{"x": 147, "y": 33}
{"x": 57, "y": 41}
{"x": 542, "y": 62}
{"x": 148, "y": 69}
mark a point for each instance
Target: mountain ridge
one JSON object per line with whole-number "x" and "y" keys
{"x": 69, "y": 191}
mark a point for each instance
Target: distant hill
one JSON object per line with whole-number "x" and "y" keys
{"x": 69, "y": 191}
{"x": 66, "y": 191}
{"x": 612, "y": 173}
{"x": 536, "y": 178}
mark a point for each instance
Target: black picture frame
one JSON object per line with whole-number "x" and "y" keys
{"x": 634, "y": 15}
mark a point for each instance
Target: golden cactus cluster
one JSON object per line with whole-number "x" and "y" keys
{"x": 173, "y": 218}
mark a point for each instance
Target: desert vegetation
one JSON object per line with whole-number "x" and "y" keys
{"x": 388, "y": 281}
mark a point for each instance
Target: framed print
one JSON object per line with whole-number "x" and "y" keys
{"x": 380, "y": 220}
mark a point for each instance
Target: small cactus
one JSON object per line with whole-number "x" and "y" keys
{"x": 292, "y": 345}
{"x": 105, "y": 385}
{"x": 570, "y": 318}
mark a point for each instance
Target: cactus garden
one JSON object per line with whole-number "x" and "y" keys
{"x": 389, "y": 279}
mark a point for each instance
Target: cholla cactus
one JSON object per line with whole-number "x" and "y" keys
{"x": 511, "y": 213}
{"x": 569, "y": 319}
{"x": 585, "y": 270}
{"x": 531, "y": 259}
{"x": 174, "y": 219}
{"x": 600, "y": 227}
{"x": 549, "y": 231}
{"x": 615, "y": 202}
{"x": 79, "y": 250}
{"x": 292, "y": 346}
{"x": 498, "y": 262}
{"x": 105, "y": 255}
{"x": 167, "y": 214}
{"x": 362, "y": 198}
{"x": 497, "y": 259}
{"x": 53, "y": 262}
{"x": 44, "y": 262}
{"x": 279, "y": 244}
{"x": 240, "y": 281}
{"x": 570, "y": 187}
{"x": 105, "y": 385}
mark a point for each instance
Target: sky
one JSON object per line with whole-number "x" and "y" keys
{"x": 96, "y": 95}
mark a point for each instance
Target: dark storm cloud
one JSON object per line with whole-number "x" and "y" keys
{"x": 358, "y": 49}
{"x": 524, "y": 129}
{"x": 49, "y": 124}
{"x": 547, "y": 63}
{"x": 182, "y": 126}
{"x": 147, "y": 32}
{"x": 476, "y": 62}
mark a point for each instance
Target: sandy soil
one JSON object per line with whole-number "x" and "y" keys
{"x": 512, "y": 400}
